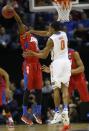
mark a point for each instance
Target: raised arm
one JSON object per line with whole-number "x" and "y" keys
{"x": 43, "y": 54}
{"x": 40, "y": 33}
{"x": 21, "y": 26}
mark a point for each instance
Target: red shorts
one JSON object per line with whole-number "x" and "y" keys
{"x": 33, "y": 76}
{"x": 79, "y": 84}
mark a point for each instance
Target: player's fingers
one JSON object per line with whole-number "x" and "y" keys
{"x": 27, "y": 53}
{"x": 44, "y": 66}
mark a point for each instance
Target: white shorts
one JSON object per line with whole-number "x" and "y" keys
{"x": 60, "y": 72}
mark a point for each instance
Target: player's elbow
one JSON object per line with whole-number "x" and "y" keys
{"x": 44, "y": 55}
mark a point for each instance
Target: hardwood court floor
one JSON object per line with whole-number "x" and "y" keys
{"x": 56, "y": 127}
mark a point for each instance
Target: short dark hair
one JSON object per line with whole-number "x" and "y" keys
{"x": 57, "y": 25}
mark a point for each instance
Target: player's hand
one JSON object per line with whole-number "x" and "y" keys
{"x": 45, "y": 69}
{"x": 27, "y": 53}
{"x": 9, "y": 6}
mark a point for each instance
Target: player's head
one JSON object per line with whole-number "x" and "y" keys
{"x": 56, "y": 26}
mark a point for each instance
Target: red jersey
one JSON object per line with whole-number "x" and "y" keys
{"x": 28, "y": 42}
{"x": 73, "y": 63}
{"x": 77, "y": 81}
{"x": 2, "y": 89}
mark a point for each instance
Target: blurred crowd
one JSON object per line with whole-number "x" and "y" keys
{"x": 78, "y": 33}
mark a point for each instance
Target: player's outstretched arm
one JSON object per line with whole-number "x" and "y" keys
{"x": 21, "y": 26}
{"x": 80, "y": 66}
{"x": 40, "y": 33}
{"x": 43, "y": 54}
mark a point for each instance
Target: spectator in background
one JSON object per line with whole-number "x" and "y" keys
{"x": 70, "y": 27}
{"x": 71, "y": 24}
{"x": 18, "y": 94}
{"x": 81, "y": 34}
{"x": 47, "y": 86}
{"x": 15, "y": 4}
{"x": 39, "y": 23}
{"x": 76, "y": 15}
{"x": 3, "y": 2}
{"x": 25, "y": 6}
{"x": 84, "y": 20}
{"x": 40, "y": 3}
{"x": 5, "y": 38}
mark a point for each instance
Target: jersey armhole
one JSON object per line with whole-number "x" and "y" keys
{"x": 52, "y": 42}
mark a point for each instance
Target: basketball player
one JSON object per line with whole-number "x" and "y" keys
{"x": 31, "y": 71}
{"x": 77, "y": 80}
{"x": 4, "y": 95}
{"x": 60, "y": 67}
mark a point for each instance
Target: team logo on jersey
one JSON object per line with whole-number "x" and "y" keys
{"x": 26, "y": 45}
{"x": 33, "y": 39}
